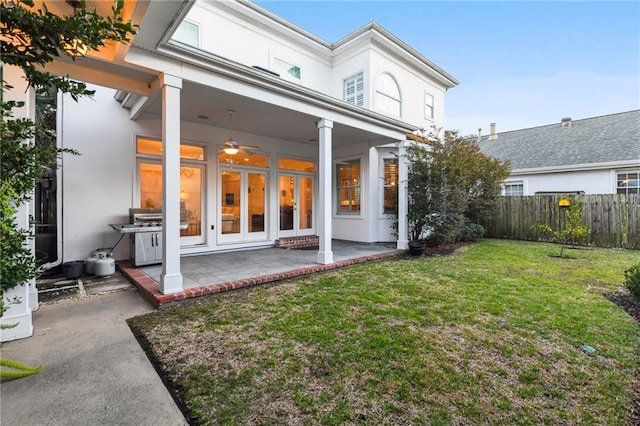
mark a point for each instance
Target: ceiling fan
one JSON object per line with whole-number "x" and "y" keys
{"x": 232, "y": 147}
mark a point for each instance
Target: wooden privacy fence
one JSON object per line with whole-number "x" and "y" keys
{"x": 614, "y": 218}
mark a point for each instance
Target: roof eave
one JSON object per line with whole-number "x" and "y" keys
{"x": 387, "y": 37}
{"x": 576, "y": 167}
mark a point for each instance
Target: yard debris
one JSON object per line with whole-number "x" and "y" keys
{"x": 589, "y": 350}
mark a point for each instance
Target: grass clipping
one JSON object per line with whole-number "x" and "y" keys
{"x": 17, "y": 369}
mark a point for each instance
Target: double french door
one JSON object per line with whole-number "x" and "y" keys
{"x": 296, "y": 205}
{"x": 242, "y": 214}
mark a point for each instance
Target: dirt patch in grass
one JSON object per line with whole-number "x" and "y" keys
{"x": 444, "y": 249}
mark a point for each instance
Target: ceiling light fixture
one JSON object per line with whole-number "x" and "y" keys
{"x": 74, "y": 47}
{"x": 230, "y": 146}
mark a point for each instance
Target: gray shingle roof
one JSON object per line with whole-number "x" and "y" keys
{"x": 603, "y": 139}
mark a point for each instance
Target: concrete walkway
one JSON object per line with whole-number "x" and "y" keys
{"x": 95, "y": 371}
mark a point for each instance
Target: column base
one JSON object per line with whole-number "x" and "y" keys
{"x": 33, "y": 296}
{"x": 23, "y": 329}
{"x": 325, "y": 257}
{"x": 170, "y": 283}
{"x": 402, "y": 244}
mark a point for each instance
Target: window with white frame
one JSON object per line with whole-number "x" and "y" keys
{"x": 390, "y": 195}
{"x": 188, "y": 33}
{"x": 628, "y": 182}
{"x": 428, "y": 105}
{"x": 286, "y": 70}
{"x": 513, "y": 189}
{"x": 348, "y": 187}
{"x": 387, "y": 95}
{"x": 353, "y": 89}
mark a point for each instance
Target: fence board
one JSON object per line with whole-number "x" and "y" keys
{"x": 614, "y": 218}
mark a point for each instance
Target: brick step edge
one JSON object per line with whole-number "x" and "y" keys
{"x": 298, "y": 242}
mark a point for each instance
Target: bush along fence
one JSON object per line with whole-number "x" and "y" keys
{"x": 614, "y": 219}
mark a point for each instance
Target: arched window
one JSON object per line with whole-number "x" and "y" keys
{"x": 387, "y": 95}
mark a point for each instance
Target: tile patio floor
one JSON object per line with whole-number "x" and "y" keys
{"x": 213, "y": 273}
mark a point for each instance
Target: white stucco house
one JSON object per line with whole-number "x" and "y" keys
{"x": 597, "y": 155}
{"x": 318, "y": 129}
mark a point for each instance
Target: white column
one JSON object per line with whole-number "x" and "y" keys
{"x": 19, "y": 313}
{"x": 325, "y": 255}
{"x": 403, "y": 201}
{"x": 171, "y": 278}
{"x": 372, "y": 201}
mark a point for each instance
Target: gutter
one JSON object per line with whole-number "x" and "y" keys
{"x": 577, "y": 167}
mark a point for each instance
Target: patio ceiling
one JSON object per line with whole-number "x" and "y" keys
{"x": 112, "y": 68}
{"x": 257, "y": 117}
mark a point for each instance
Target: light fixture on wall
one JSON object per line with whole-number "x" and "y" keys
{"x": 74, "y": 47}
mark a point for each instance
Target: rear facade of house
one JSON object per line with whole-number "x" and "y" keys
{"x": 272, "y": 85}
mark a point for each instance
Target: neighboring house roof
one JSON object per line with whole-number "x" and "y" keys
{"x": 613, "y": 138}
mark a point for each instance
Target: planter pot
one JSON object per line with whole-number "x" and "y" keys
{"x": 73, "y": 269}
{"x": 416, "y": 248}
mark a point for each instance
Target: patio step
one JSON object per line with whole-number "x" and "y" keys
{"x": 307, "y": 241}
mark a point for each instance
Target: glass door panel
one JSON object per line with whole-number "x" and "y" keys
{"x": 287, "y": 199}
{"x": 191, "y": 201}
{"x": 231, "y": 203}
{"x": 305, "y": 203}
{"x": 256, "y": 201}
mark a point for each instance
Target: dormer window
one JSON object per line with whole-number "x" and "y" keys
{"x": 353, "y": 89}
{"x": 387, "y": 95}
{"x": 287, "y": 71}
{"x": 188, "y": 33}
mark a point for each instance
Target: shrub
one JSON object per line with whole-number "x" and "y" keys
{"x": 470, "y": 232}
{"x": 449, "y": 182}
{"x": 632, "y": 280}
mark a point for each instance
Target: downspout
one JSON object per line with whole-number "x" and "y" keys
{"x": 59, "y": 183}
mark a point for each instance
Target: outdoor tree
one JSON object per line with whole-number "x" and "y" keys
{"x": 574, "y": 230}
{"x": 33, "y": 37}
{"x": 450, "y": 183}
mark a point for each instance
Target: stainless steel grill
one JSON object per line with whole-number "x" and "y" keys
{"x": 145, "y": 229}
{"x": 141, "y": 220}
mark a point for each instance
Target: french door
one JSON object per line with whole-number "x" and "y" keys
{"x": 242, "y": 214}
{"x": 296, "y": 202}
{"x": 191, "y": 197}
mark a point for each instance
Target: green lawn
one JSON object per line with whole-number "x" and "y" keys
{"x": 489, "y": 335}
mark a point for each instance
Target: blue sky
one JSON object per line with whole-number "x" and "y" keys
{"x": 520, "y": 64}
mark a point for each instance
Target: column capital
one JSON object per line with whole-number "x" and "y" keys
{"x": 170, "y": 80}
{"x": 325, "y": 122}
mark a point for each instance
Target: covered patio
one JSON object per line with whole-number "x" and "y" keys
{"x": 218, "y": 272}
